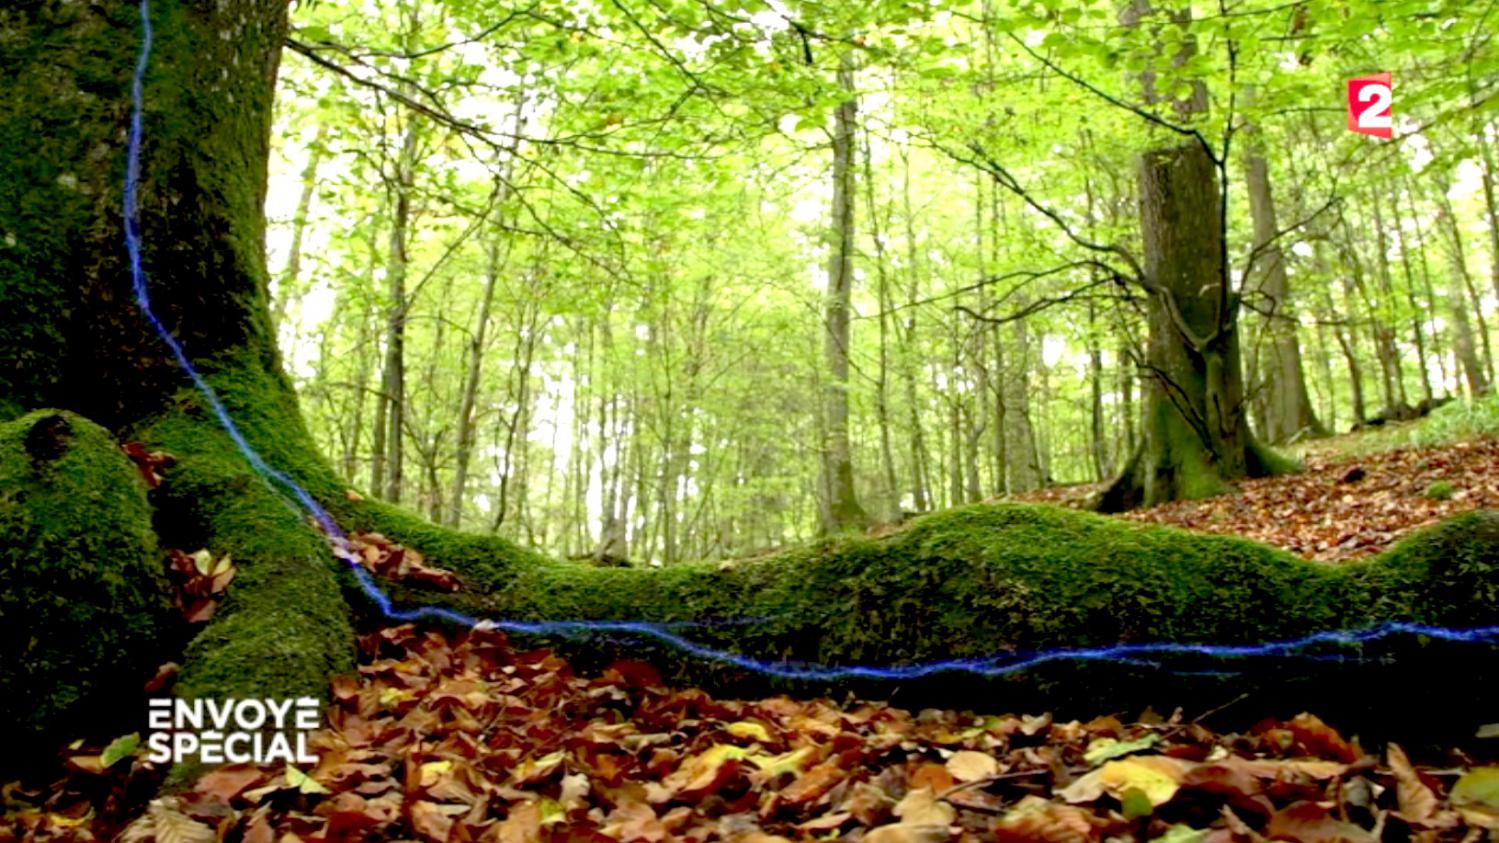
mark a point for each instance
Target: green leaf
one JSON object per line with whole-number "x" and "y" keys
{"x": 1136, "y": 804}
{"x": 119, "y": 748}
{"x": 303, "y": 782}
{"x": 1105, "y": 748}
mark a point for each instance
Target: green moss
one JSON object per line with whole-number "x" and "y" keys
{"x": 84, "y": 612}
{"x": 284, "y": 627}
{"x": 1440, "y": 490}
{"x": 1265, "y": 461}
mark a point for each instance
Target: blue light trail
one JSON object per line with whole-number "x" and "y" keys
{"x": 1137, "y": 654}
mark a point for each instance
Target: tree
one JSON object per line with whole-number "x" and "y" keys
{"x": 1289, "y": 407}
{"x": 840, "y": 503}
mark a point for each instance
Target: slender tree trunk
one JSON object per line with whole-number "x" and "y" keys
{"x": 1491, "y": 205}
{"x": 1410, "y": 294}
{"x": 890, "y": 509}
{"x": 841, "y": 509}
{"x": 1467, "y": 298}
{"x": 1288, "y": 407}
{"x": 287, "y": 284}
{"x": 473, "y": 370}
{"x": 1459, "y": 305}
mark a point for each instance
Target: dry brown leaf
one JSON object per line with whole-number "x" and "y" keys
{"x": 970, "y": 766}
{"x": 1416, "y": 800}
{"x": 908, "y": 833}
{"x": 164, "y": 822}
{"x": 922, "y": 807}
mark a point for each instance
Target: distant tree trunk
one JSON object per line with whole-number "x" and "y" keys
{"x": 1024, "y": 463}
{"x": 1095, "y": 404}
{"x": 1288, "y": 407}
{"x": 393, "y": 376}
{"x": 1127, "y": 400}
{"x": 1380, "y": 334}
{"x": 1468, "y": 296}
{"x": 841, "y": 509}
{"x": 470, "y": 399}
{"x": 1330, "y": 317}
{"x": 1458, "y": 303}
{"x": 922, "y": 494}
{"x": 286, "y": 286}
{"x": 1427, "y": 286}
{"x": 1410, "y": 292}
{"x": 1491, "y": 205}
{"x": 890, "y": 499}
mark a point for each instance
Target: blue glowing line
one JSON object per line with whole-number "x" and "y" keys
{"x": 1141, "y": 655}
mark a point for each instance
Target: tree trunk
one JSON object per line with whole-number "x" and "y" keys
{"x": 1288, "y": 407}
{"x": 840, "y": 508}
{"x": 1195, "y": 433}
{"x": 286, "y": 286}
{"x": 474, "y": 368}
{"x": 393, "y": 373}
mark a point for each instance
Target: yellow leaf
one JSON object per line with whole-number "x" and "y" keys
{"x": 1156, "y": 776}
{"x": 747, "y": 729}
{"x": 774, "y": 765}
{"x": 303, "y": 782}
{"x": 922, "y": 807}
{"x": 430, "y": 772}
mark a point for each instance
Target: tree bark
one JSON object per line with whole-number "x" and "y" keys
{"x": 840, "y": 507}
{"x": 1289, "y": 408}
{"x": 1195, "y": 431}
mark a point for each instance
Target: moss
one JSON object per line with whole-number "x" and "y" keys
{"x": 284, "y": 627}
{"x": 1264, "y": 461}
{"x": 968, "y": 583}
{"x": 85, "y": 603}
{"x": 1440, "y": 490}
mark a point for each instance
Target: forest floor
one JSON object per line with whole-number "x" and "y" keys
{"x": 444, "y": 740}
{"x": 1353, "y": 499}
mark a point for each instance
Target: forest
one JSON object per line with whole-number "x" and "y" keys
{"x": 508, "y": 421}
{"x": 695, "y": 282}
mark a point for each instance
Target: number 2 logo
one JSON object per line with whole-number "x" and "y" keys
{"x": 1369, "y": 101}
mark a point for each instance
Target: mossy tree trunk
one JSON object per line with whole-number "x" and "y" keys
{"x": 75, "y": 338}
{"x": 1195, "y": 424}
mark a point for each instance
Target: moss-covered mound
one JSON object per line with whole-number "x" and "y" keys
{"x": 1010, "y": 581}
{"x": 84, "y": 602}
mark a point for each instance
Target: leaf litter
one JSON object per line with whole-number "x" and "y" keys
{"x": 467, "y": 739}
{"x": 1339, "y": 507}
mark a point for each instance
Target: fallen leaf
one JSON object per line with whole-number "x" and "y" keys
{"x": 970, "y": 766}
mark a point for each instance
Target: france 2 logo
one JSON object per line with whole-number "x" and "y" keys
{"x": 1369, "y": 99}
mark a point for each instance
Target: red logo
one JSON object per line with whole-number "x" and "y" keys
{"x": 1369, "y": 100}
